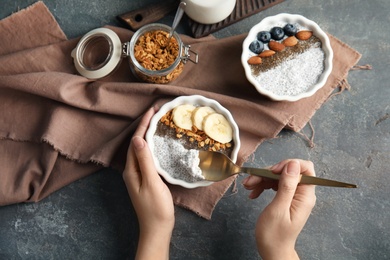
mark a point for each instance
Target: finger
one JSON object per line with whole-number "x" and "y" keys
{"x": 307, "y": 191}
{"x": 140, "y": 131}
{"x": 255, "y": 182}
{"x": 288, "y": 183}
{"x": 132, "y": 172}
{"x": 278, "y": 168}
{"x": 257, "y": 185}
{"x": 304, "y": 197}
{"x": 144, "y": 124}
{"x": 256, "y": 192}
{"x": 145, "y": 161}
{"x": 251, "y": 182}
{"x": 265, "y": 185}
{"x": 307, "y": 167}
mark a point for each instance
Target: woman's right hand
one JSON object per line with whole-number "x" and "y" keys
{"x": 280, "y": 223}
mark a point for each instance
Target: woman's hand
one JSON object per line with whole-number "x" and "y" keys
{"x": 150, "y": 197}
{"x": 280, "y": 223}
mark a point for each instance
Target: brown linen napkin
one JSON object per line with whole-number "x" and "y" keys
{"x": 57, "y": 127}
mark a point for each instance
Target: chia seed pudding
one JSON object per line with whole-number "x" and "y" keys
{"x": 292, "y": 70}
{"x": 180, "y": 162}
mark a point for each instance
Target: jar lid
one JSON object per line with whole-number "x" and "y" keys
{"x": 97, "y": 53}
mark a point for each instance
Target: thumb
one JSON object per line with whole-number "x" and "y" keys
{"x": 145, "y": 159}
{"x": 288, "y": 183}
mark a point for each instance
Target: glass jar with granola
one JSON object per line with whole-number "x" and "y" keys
{"x": 154, "y": 57}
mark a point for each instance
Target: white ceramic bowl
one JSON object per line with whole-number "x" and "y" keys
{"x": 197, "y": 101}
{"x": 280, "y": 20}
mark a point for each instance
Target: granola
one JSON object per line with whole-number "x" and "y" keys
{"x": 153, "y": 52}
{"x": 195, "y": 135}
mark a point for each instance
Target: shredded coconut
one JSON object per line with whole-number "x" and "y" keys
{"x": 298, "y": 74}
{"x": 176, "y": 160}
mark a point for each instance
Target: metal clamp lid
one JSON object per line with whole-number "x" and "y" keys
{"x": 187, "y": 55}
{"x": 97, "y": 53}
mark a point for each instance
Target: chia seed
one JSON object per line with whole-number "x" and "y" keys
{"x": 179, "y": 157}
{"x": 176, "y": 160}
{"x": 292, "y": 71}
{"x": 288, "y": 54}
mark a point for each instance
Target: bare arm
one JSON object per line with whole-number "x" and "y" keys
{"x": 150, "y": 197}
{"x": 279, "y": 225}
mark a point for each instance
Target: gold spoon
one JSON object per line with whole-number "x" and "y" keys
{"x": 216, "y": 166}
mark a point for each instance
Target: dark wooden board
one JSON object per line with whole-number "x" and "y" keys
{"x": 147, "y": 14}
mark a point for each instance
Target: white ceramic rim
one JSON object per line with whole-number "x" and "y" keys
{"x": 271, "y": 21}
{"x": 196, "y": 100}
{"x": 115, "y": 55}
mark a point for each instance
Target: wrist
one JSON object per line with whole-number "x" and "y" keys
{"x": 153, "y": 227}
{"x": 154, "y": 244}
{"x": 287, "y": 253}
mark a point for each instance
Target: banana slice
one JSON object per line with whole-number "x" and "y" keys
{"x": 199, "y": 114}
{"x": 217, "y": 127}
{"x": 181, "y": 116}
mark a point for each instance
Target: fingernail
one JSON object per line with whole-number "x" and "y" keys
{"x": 293, "y": 168}
{"x": 138, "y": 143}
{"x": 273, "y": 167}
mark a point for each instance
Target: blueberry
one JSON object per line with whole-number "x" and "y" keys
{"x": 256, "y": 46}
{"x": 277, "y": 33}
{"x": 290, "y": 29}
{"x": 264, "y": 36}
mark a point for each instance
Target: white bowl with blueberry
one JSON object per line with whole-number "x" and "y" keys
{"x": 287, "y": 57}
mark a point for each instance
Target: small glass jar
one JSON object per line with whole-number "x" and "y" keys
{"x": 100, "y": 52}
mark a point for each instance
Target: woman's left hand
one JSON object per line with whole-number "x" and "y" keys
{"x": 150, "y": 196}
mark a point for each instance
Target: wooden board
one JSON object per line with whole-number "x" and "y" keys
{"x": 243, "y": 9}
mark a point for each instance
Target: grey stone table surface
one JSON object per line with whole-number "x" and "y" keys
{"x": 93, "y": 217}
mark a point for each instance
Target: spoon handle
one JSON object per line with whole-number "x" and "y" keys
{"x": 325, "y": 182}
{"x": 260, "y": 172}
{"x": 304, "y": 178}
{"x": 176, "y": 20}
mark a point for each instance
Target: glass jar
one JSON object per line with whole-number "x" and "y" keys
{"x": 100, "y": 52}
{"x": 178, "y": 54}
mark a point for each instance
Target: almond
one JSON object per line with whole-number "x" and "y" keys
{"x": 290, "y": 41}
{"x": 254, "y": 60}
{"x": 266, "y": 53}
{"x": 276, "y": 46}
{"x": 304, "y": 35}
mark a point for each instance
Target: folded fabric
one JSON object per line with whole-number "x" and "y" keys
{"x": 57, "y": 126}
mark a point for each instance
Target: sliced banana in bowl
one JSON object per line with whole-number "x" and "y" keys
{"x": 199, "y": 115}
{"x": 185, "y": 125}
{"x": 182, "y": 116}
{"x": 218, "y": 128}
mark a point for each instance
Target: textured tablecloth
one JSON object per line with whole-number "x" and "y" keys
{"x": 57, "y": 127}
